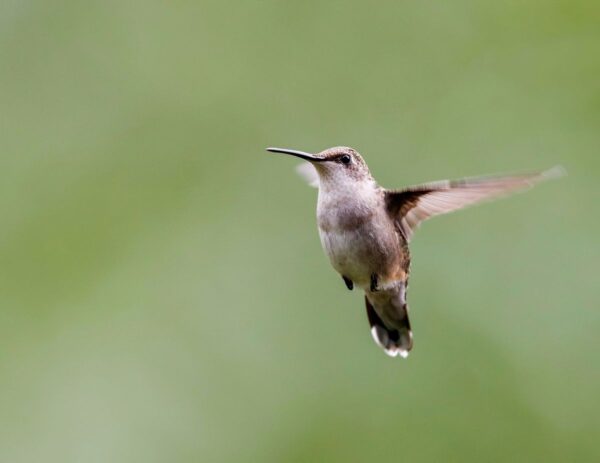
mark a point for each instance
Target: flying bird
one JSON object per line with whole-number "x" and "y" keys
{"x": 366, "y": 229}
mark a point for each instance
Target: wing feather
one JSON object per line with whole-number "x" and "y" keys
{"x": 308, "y": 172}
{"x": 413, "y": 205}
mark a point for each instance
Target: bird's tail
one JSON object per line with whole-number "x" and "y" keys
{"x": 390, "y": 326}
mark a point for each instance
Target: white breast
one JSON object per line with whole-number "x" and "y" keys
{"x": 347, "y": 255}
{"x": 348, "y": 221}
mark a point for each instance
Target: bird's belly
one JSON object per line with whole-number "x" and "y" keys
{"x": 359, "y": 253}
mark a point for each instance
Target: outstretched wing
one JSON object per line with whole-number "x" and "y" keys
{"x": 308, "y": 172}
{"x": 415, "y": 204}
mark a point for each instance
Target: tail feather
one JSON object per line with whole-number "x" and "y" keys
{"x": 394, "y": 334}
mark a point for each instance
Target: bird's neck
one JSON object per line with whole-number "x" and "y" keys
{"x": 349, "y": 202}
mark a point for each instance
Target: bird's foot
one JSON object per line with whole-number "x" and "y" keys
{"x": 374, "y": 282}
{"x": 348, "y": 282}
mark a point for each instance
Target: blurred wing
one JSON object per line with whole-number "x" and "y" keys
{"x": 308, "y": 172}
{"x": 415, "y": 204}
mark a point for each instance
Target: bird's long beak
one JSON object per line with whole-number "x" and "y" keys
{"x": 300, "y": 154}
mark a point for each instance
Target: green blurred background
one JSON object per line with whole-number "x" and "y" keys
{"x": 163, "y": 292}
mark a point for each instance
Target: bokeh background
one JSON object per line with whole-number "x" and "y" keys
{"x": 163, "y": 294}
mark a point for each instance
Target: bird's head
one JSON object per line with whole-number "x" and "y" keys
{"x": 336, "y": 166}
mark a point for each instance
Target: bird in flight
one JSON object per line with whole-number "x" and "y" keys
{"x": 365, "y": 229}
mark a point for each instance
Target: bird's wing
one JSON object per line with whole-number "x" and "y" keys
{"x": 415, "y": 204}
{"x": 308, "y": 172}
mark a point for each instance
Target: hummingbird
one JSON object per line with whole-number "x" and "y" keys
{"x": 365, "y": 229}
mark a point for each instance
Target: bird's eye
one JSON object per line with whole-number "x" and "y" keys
{"x": 346, "y": 159}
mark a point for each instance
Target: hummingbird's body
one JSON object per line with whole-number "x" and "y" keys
{"x": 343, "y": 230}
{"x": 365, "y": 230}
